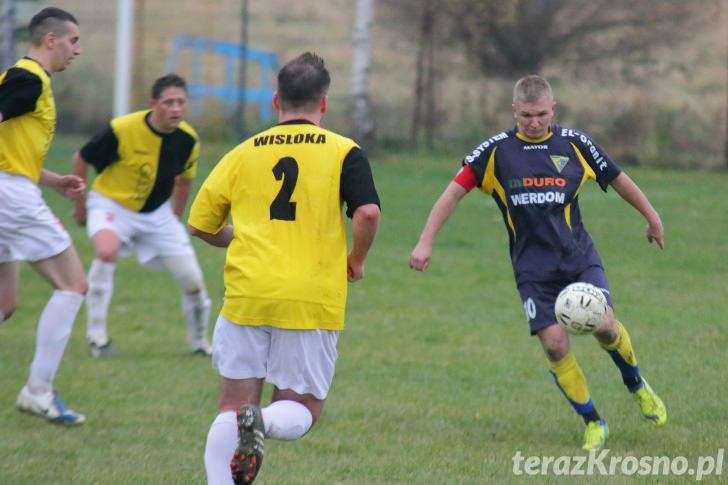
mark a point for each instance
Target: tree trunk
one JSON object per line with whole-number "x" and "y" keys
{"x": 7, "y": 34}
{"x": 361, "y": 113}
{"x": 424, "y": 95}
{"x": 725, "y": 140}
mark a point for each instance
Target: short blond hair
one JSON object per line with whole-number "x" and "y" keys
{"x": 532, "y": 89}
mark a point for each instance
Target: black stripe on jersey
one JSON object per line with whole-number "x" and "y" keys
{"x": 102, "y": 150}
{"x": 19, "y": 93}
{"x": 174, "y": 158}
{"x": 357, "y": 183}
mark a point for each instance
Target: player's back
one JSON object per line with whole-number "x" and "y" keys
{"x": 287, "y": 262}
{"x": 24, "y": 140}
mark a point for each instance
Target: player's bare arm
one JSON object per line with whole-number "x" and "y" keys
{"x": 69, "y": 186}
{"x": 630, "y": 192}
{"x": 221, "y": 240}
{"x": 180, "y": 194}
{"x": 79, "y": 168}
{"x": 441, "y": 211}
{"x": 364, "y": 224}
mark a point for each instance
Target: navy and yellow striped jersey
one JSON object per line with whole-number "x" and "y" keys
{"x": 29, "y": 118}
{"x": 536, "y": 185}
{"x": 137, "y": 165}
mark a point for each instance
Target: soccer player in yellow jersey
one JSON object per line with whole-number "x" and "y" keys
{"x": 286, "y": 269}
{"x": 145, "y": 162}
{"x": 28, "y": 229}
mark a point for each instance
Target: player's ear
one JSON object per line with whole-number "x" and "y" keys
{"x": 324, "y": 103}
{"x": 153, "y": 102}
{"x": 49, "y": 40}
{"x": 276, "y": 101}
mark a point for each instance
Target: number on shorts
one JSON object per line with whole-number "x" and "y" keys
{"x": 530, "y": 307}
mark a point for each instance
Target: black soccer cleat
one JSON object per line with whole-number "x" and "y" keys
{"x": 248, "y": 456}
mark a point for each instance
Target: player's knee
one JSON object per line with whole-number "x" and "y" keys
{"x": 554, "y": 341}
{"x": 6, "y": 311}
{"x": 188, "y": 275}
{"x": 76, "y": 283}
{"x": 107, "y": 254}
{"x": 192, "y": 283}
{"x": 554, "y": 354}
{"x": 556, "y": 349}
{"x": 608, "y": 331}
{"x": 8, "y": 303}
{"x": 81, "y": 286}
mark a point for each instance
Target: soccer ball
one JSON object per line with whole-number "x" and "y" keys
{"x": 581, "y": 308}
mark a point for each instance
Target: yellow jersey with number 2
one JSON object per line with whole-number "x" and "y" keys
{"x": 286, "y": 264}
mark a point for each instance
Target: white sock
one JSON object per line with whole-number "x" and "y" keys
{"x": 100, "y": 289}
{"x": 196, "y": 307}
{"x": 222, "y": 439}
{"x": 286, "y": 420}
{"x": 54, "y": 329}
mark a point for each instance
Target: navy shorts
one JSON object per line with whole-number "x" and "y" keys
{"x": 538, "y": 297}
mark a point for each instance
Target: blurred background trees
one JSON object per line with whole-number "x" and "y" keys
{"x": 648, "y": 79}
{"x": 510, "y": 38}
{"x": 7, "y": 34}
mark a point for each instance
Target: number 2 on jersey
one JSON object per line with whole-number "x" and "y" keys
{"x": 282, "y": 208}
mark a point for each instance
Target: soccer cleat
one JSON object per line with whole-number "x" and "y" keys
{"x": 653, "y": 409}
{"x": 595, "y": 435}
{"x": 49, "y": 406}
{"x": 104, "y": 350}
{"x": 248, "y": 456}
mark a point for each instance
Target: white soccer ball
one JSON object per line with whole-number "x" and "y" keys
{"x": 581, "y": 308}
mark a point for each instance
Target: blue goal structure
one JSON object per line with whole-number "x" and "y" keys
{"x": 229, "y": 92}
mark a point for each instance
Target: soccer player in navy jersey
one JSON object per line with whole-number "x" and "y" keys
{"x": 535, "y": 174}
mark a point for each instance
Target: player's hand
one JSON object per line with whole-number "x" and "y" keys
{"x": 656, "y": 233}
{"x": 71, "y": 186}
{"x": 420, "y": 257}
{"x": 354, "y": 269}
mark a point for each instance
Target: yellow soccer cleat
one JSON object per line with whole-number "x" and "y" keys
{"x": 653, "y": 409}
{"x": 595, "y": 435}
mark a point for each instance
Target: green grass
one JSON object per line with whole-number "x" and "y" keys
{"x": 437, "y": 381}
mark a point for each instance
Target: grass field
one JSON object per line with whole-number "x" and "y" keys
{"x": 437, "y": 378}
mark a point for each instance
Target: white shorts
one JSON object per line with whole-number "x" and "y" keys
{"x": 28, "y": 229}
{"x": 300, "y": 360}
{"x": 152, "y": 234}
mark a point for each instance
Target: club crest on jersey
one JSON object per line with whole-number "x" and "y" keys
{"x": 560, "y": 161}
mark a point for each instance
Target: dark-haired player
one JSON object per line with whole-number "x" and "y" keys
{"x": 28, "y": 229}
{"x": 286, "y": 269}
{"x": 145, "y": 162}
